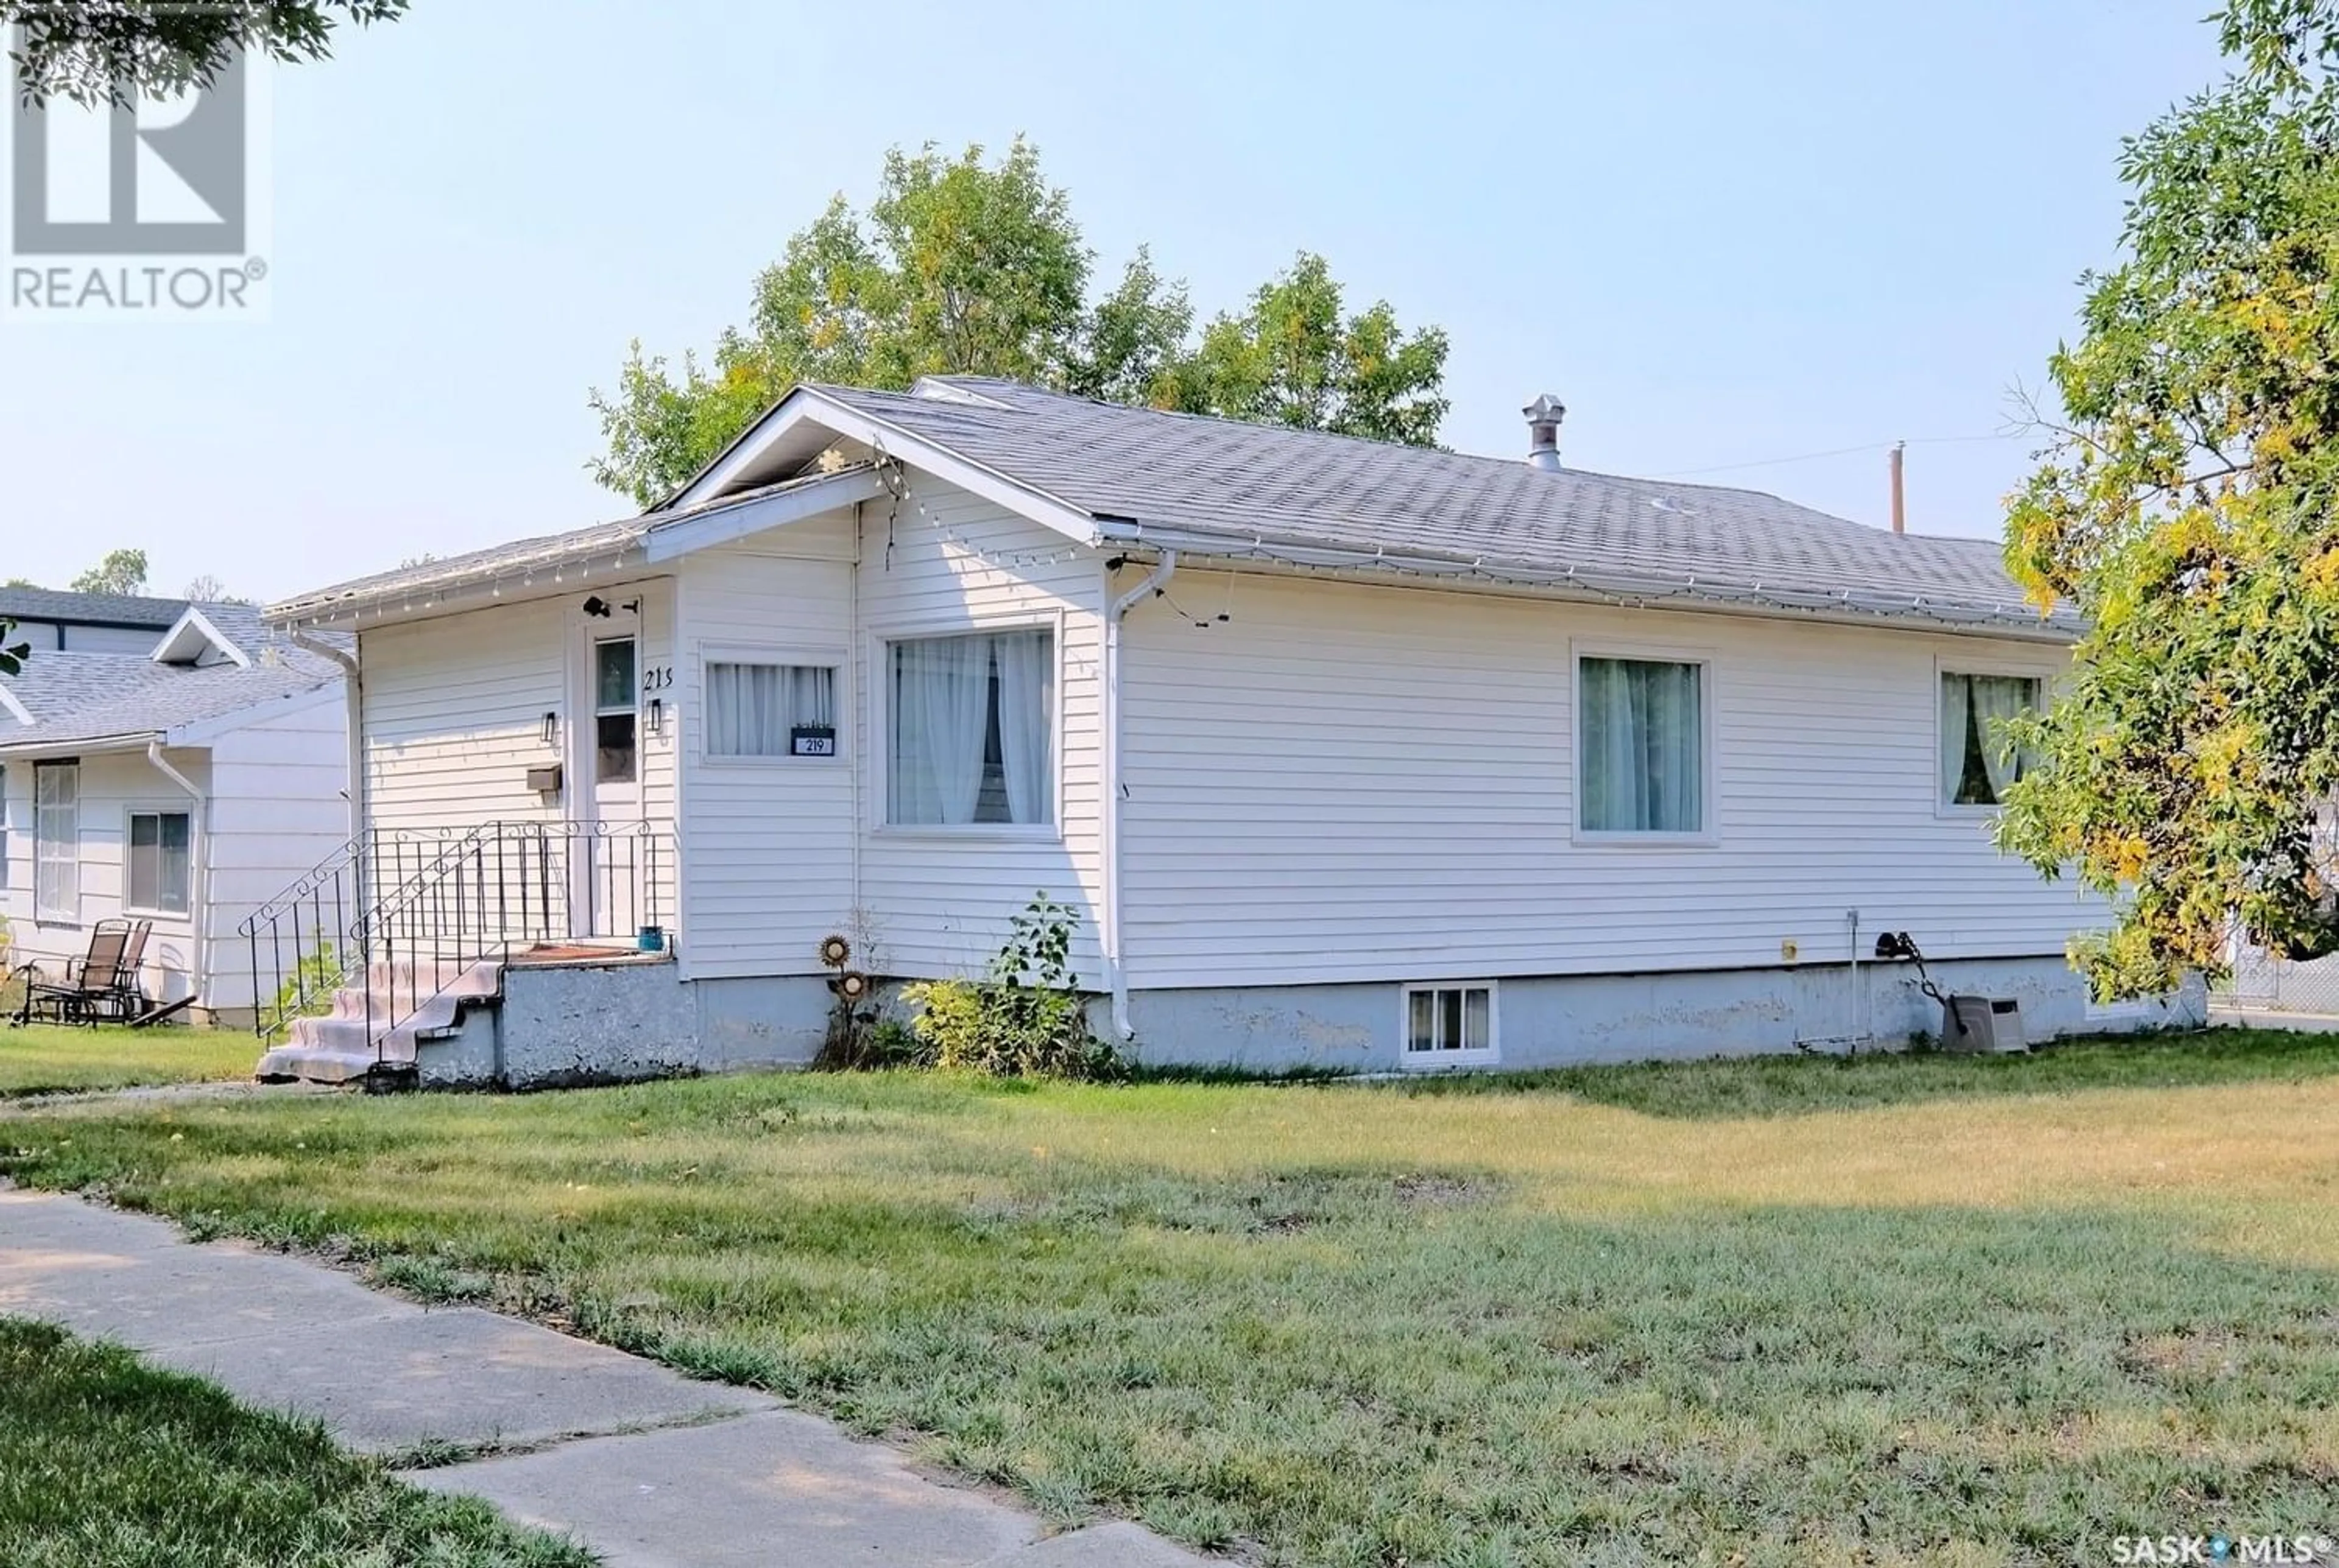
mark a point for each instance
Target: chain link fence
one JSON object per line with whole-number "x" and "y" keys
{"x": 2260, "y": 983}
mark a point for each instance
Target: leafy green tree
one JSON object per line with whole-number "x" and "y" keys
{"x": 1292, "y": 357}
{"x": 960, "y": 266}
{"x": 96, "y": 51}
{"x": 121, "y": 572}
{"x": 2189, "y": 510}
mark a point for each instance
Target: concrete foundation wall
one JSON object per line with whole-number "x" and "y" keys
{"x": 573, "y": 1023}
{"x": 1564, "y": 1020}
{"x": 566, "y": 1024}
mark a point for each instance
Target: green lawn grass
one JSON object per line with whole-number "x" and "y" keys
{"x": 45, "y": 1058}
{"x": 1900, "y": 1310}
{"x": 106, "y": 1461}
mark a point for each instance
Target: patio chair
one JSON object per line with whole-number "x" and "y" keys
{"x": 101, "y": 986}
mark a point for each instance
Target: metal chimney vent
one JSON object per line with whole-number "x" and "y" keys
{"x": 1544, "y": 416}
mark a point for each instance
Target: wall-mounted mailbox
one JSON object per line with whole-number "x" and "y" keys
{"x": 812, "y": 740}
{"x": 545, "y": 780}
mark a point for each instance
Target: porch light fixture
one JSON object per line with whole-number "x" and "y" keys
{"x": 551, "y": 731}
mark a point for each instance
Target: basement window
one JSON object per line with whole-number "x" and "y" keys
{"x": 1450, "y": 1025}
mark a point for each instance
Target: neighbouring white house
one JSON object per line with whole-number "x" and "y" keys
{"x": 1348, "y": 755}
{"x": 179, "y": 775}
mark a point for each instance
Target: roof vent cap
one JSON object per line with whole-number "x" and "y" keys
{"x": 1544, "y": 416}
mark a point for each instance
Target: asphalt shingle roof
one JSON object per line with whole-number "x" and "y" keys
{"x": 1234, "y": 488}
{"x": 1235, "y": 480}
{"x": 76, "y": 698}
{"x": 111, "y": 609}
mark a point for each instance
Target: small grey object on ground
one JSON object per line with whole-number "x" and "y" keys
{"x": 649, "y": 1468}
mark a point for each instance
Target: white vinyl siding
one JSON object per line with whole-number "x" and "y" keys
{"x": 56, "y": 842}
{"x": 455, "y": 716}
{"x": 276, "y": 808}
{"x": 938, "y": 900}
{"x": 767, "y": 842}
{"x": 1358, "y": 782}
{"x": 160, "y": 868}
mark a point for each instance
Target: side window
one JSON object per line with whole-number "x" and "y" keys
{"x": 56, "y": 842}
{"x": 1639, "y": 746}
{"x": 1976, "y": 765}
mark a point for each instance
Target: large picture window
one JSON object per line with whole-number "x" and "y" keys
{"x": 1976, "y": 765}
{"x": 56, "y": 842}
{"x": 972, "y": 729}
{"x": 763, "y": 710}
{"x": 1641, "y": 739}
{"x": 161, "y": 871}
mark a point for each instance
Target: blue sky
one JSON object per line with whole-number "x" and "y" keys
{"x": 1722, "y": 233}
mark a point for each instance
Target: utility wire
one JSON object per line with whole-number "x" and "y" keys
{"x": 1840, "y": 453}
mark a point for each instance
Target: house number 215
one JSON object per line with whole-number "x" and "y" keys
{"x": 657, "y": 678}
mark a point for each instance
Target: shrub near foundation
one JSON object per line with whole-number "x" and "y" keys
{"x": 1026, "y": 1017}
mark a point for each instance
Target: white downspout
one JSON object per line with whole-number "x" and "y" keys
{"x": 199, "y": 909}
{"x": 1115, "y": 975}
{"x": 353, "y": 698}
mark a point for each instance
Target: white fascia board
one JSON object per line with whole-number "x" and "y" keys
{"x": 203, "y": 732}
{"x": 805, "y": 403}
{"x": 721, "y": 525}
{"x": 195, "y": 621}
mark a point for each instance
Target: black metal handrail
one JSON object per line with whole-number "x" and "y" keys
{"x": 300, "y": 943}
{"x": 446, "y": 904}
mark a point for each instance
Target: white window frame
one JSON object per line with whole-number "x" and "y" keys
{"x": 1414, "y": 1060}
{"x": 158, "y": 809}
{"x": 52, "y": 914}
{"x": 7, "y": 847}
{"x": 838, "y": 661}
{"x": 1955, "y": 665}
{"x": 1709, "y": 834}
{"x": 879, "y": 653}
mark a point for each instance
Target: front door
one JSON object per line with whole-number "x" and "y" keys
{"x": 609, "y": 895}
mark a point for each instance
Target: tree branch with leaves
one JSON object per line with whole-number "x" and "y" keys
{"x": 2190, "y": 509}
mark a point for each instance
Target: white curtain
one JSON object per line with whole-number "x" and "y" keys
{"x": 1956, "y": 691}
{"x": 1643, "y": 760}
{"x": 1027, "y": 700}
{"x": 1996, "y": 699}
{"x": 940, "y": 710}
{"x": 750, "y": 708}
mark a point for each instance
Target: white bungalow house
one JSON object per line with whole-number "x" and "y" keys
{"x": 177, "y": 772}
{"x": 1348, "y": 755}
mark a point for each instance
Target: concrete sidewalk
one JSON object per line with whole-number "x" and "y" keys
{"x": 651, "y": 1469}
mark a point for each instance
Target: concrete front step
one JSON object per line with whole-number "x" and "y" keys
{"x": 356, "y": 1036}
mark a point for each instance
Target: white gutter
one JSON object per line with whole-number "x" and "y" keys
{"x": 1115, "y": 976}
{"x": 199, "y": 874}
{"x": 353, "y": 700}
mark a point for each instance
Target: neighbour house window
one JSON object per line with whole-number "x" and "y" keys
{"x": 161, "y": 870}
{"x": 56, "y": 842}
{"x": 1975, "y": 766}
{"x": 4, "y": 828}
{"x": 615, "y": 718}
{"x": 770, "y": 710}
{"x": 972, "y": 722}
{"x": 1448, "y": 1025}
{"x": 1640, "y": 747}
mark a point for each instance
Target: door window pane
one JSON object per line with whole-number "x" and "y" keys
{"x": 613, "y": 677}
